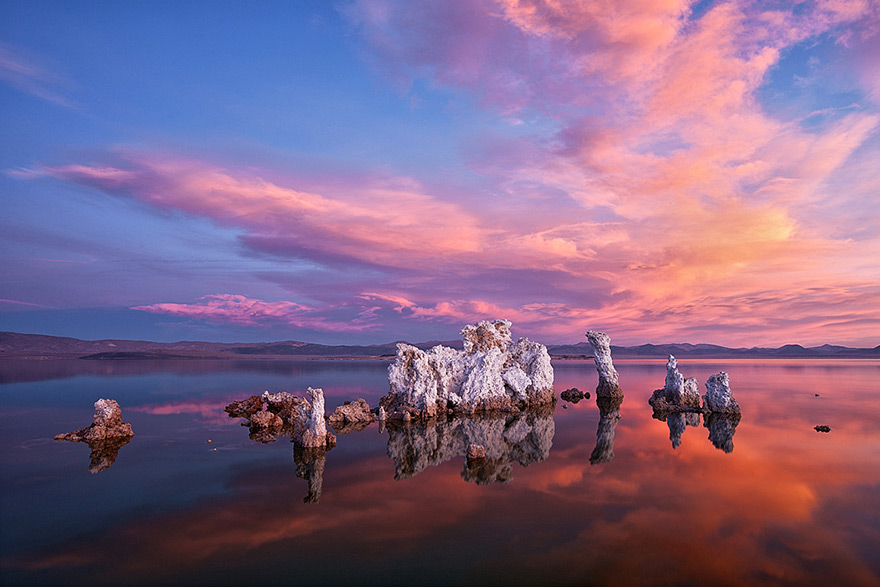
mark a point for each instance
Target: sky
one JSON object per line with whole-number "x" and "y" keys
{"x": 368, "y": 171}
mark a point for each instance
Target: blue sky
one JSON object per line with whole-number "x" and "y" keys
{"x": 372, "y": 171}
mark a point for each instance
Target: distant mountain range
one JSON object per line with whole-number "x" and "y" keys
{"x": 13, "y": 344}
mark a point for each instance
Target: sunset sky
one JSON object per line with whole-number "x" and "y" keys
{"x": 362, "y": 172}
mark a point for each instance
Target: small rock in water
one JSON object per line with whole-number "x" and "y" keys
{"x": 564, "y": 407}
{"x": 817, "y": 395}
{"x": 573, "y": 395}
{"x": 209, "y": 441}
{"x": 822, "y": 428}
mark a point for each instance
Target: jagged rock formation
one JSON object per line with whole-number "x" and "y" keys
{"x": 678, "y": 394}
{"x": 721, "y": 429}
{"x": 106, "y": 424}
{"x": 609, "y": 416}
{"x": 105, "y": 435}
{"x": 719, "y": 399}
{"x": 524, "y": 438}
{"x": 283, "y": 414}
{"x": 609, "y": 384}
{"x": 491, "y": 374}
{"x": 351, "y": 417}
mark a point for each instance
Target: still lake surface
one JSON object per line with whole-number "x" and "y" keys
{"x": 776, "y": 502}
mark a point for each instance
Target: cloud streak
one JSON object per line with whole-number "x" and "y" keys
{"x": 648, "y": 188}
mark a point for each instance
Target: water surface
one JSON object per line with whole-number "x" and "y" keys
{"x": 568, "y": 496}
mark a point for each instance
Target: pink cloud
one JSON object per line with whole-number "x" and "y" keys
{"x": 648, "y": 189}
{"x": 26, "y": 73}
{"x": 238, "y": 309}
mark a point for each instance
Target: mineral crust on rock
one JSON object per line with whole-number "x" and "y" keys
{"x": 105, "y": 435}
{"x": 678, "y": 394}
{"x": 351, "y": 417}
{"x": 106, "y": 424}
{"x": 609, "y": 383}
{"x": 283, "y": 414}
{"x": 491, "y": 374}
{"x": 719, "y": 399}
{"x": 309, "y": 428}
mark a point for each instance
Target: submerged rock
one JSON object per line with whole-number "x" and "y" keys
{"x": 678, "y": 393}
{"x": 719, "y": 399}
{"x": 491, "y": 374}
{"x": 105, "y": 435}
{"x": 524, "y": 438}
{"x": 822, "y": 428}
{"x": 609, "y": 416}
{"x": 351, "y": 417}
{"x": 609, "y": 384}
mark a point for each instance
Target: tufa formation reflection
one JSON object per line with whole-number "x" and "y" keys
{"x": 105, "y": 435}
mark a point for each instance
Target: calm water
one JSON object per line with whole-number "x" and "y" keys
{"x": 775, "y": 503}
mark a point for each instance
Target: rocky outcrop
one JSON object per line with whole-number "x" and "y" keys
{"x": 524, "y": 438}
{"x": 678, "y": 394}
{"x": 609, "y": 416}
{"x": 491, "y": 374}
{"x": 273, "y": 415}
{"x": 609, "y": 384}
{"x": 105, "y": 435}
{"x": 719, "y": 399}
{"x": 351, "y": 417}
{"x": 309, "y": 428}
{"x": 106, "y": 424}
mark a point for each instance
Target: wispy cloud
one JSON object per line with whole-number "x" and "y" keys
{"x": 26, "y": 73}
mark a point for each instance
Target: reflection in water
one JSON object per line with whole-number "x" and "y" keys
{"x": 523, "y": 438}
{"x": 721, "y": 428}
{"x": 104, "y": 452}
{"x": 609, "y": 416}
{"x": 310, "y": 466}
{"x": 677, "y": 422}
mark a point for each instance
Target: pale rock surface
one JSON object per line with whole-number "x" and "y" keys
{"x": 351, "y": 416}
{"x": 105, "y": 435}
{"x": 609, "y": 381}
{"x": 491, "y": 374}
{"x": 719, "y": 399}
{"x": 309, "y": 428}
{"x": 678, "y": 393}
{"x": 106, "y": 424}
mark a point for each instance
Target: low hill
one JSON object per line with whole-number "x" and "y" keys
{"x": 13, "y": 344}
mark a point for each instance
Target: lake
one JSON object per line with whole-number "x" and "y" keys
{"x": 564, "y": 496}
